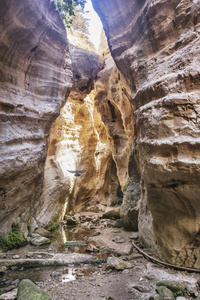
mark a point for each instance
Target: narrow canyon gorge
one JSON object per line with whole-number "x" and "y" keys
{"x": 88, "y": 136}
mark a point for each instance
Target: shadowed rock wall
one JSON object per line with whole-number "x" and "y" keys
{"x": 156, "y": 45}
{"x": 35, "y": 76}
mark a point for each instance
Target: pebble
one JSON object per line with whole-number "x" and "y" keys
{"x": 119, "y": 240}
{"x": 16, "y": 257}
{"x": 3, "y": 270}
{"x": 55, "y": 275}
{"x": 192, "y": 291}
{"x": 134, "y": 236}
{"x": 180, "y": 298}
{"x": 164, "y": 292}
{"x": 15, "y": 282}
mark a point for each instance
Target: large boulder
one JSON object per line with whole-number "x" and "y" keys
{"x": 29, "y": 291}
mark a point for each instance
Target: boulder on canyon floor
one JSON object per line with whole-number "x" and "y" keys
{"x": 29, "y": 291}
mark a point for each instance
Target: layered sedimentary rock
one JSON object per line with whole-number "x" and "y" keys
{"x": 78, "y": 33}
{"x": 94, "y": 132}
{"x": 112, "y": 101}
{"x": 35, "y": 78}
{"x": 73, "y": 143}
{"x": 156, "y": 45}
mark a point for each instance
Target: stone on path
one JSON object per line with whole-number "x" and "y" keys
{"x": 174, "y": 286}
{"x": 118, "y": 239}
{"x": 118, "y": 264}
{"x": 165, "y": 293}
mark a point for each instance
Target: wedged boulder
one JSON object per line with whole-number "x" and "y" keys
{"x": 86, "y": 64}
{"x": 29, "y": 291}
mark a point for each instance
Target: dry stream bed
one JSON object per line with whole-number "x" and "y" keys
{"x": 105, "y": 266}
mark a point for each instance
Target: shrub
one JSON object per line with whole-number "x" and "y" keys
{"x": 53, "y": 227}
{"x": 178, "y": 293}
{"x": 67, "y": 9}
{"x": 14, "y": 239}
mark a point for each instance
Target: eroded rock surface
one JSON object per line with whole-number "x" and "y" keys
{"x": 156, "y": 46}
{"x": 74, "y": 139}
{"x": 35, "y": 75}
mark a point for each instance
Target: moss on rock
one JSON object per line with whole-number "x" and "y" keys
{"x": 29, "y": 291}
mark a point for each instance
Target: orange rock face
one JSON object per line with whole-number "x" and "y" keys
{"x": 94, "y": 132}
{"x": 156, "y": 45}
{"x": 77, "y": 140}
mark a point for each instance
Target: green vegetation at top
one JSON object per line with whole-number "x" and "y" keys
{"x": 67, "y": 9}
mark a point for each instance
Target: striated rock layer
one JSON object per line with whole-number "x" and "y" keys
{"x": 73, "y": 144}
{"x": 35, "y": 76}
{"x": 156, "y": 45}
{"x": 94, "y": 132}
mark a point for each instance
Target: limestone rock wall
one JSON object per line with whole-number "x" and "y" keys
{"x": 94, "y": 132}
{"x": 76, "y": 142}
{"x": 112, "y": 100}
{"x": 156, "y": 46}
{"x": 35, "y": 78}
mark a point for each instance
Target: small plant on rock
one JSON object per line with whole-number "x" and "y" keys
{"x": 67, "y": 9}
{"x": 178, "y": 293}
{"x": 53, "y": 227}
{"x": 14, "y": 239}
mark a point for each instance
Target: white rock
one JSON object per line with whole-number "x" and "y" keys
{"x": 9, "y": 296}
{"x": 40, "y": 240}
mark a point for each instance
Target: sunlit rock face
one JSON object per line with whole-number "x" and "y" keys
{"x": 156, "y": 45}
{"x": 77, "y": 141}
{"x": 112, "y": 100}
{"x": 78, "y": 33}
{"x": 35, "y": 75}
